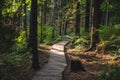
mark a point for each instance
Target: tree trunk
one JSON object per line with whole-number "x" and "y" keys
{"x": 65, "y": 27}
{"x": 33, "y": 35}
{"x": 25, "y": 21}
{"x": 0, "y": 16}
{"x": 87, "y": 15}
{"x": 59, "y": 17}
{"x": 52, "y": 17}
{"x": 107, "y": 13}
{"x": 91, "y": 13}
{"x": 41, "y": 25}
{"x": 77, "y": 22}
{"x": 44, "y": 13}
{"x": 96, "y": 24}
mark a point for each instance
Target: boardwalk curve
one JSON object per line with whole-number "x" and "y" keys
{"x": 57, "y": 63}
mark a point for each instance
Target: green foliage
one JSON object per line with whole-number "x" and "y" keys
{"x": 8, "y": 36}
{"x": 109, "y": 32}
{"x": 15, "y": 58}
{"x": 46, "y": 34}
{"x": 82, "y": 41}
{"x": 20, "y": 42}
{"x": 112, "y": 5}
{"x": 112, "y": 73}
{"x": 110, "y": 37}
{"x": 10, "y": 8}
{"x": 13, "y": 65}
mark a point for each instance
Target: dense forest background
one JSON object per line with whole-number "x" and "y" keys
{"x": 89, "y": 25}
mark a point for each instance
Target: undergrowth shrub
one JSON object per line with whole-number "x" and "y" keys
{"x": 15, "y": 66}
{"x": 15, "y": 58}
{"x": 7, "y": 38}
{"x": 20, "y": 42}
{"x": 47, "y": 32}
{"x": 82, "y": 41}
{"x": 45, "y": 35}
{"x": 111, "y": 73}
{"x": 110, "y": 38}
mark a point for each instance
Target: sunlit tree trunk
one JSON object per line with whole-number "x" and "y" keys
{"x": 33, "y": 35}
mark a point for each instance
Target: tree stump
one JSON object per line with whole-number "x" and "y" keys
{"x": 76, "y": 66}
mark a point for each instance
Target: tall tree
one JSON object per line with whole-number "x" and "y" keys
{"x": 87, "y": 15}
{"x": 107, "y": 12}
{"x": 96, "y": 24}
{"x": 41, "y": 24}
{"x": 52, "y": 23}
{"x": 25, "y": 20}
{"x": 77, "y": 20}
{"x": 1, "y": 8}
{"x": 45, "y": 10}
{"x": 0, "y": 13}
{"x": 65, "y": 27}
{"x": 33, "y": 34}
{"x": 59, "y": 16}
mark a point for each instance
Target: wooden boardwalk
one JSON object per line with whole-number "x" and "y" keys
{"x": 57, "y": 63}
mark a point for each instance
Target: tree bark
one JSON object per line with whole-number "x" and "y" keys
{"x": 77, "y": 21}
{"x": 65, "y": 27}
{"x": 107, "y": 13}
{"x": 52, "y": 17}
{"x": 0, "y": 16}
{"x": 87, "y": 15}
{"x": 41, "y": 25}
{"x": 33, "y": 35}
{"x": 96, "y": 24}
{"x": 44, "y": 13}
{"x": 25, "y": 21}
{"x": 59, "y": 17}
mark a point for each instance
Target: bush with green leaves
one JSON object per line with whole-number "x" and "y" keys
{"x": 7, "y": 38}
{"x": 82, "y": 41}
{"x": 110, "y": 37}
{"x": 110, "y": 32}
{"x": 111, "y": 73}
{"x": 46, "y": 35}
{"x": 20, "y": 42}
{"x": 13, "y": 64}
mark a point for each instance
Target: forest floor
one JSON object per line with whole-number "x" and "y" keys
{"x": 21, "y": 70}
{"x": 92, "y": 62}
